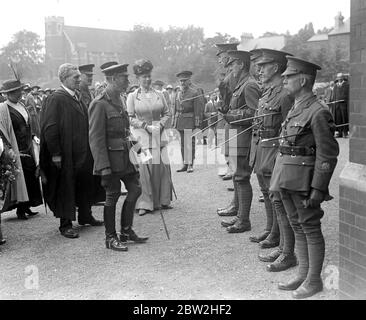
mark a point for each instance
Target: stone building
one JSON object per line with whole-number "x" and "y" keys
{"x": 80, "y": 45}
{"x": 275, "y": 42}
{"x": 337, "y": 41}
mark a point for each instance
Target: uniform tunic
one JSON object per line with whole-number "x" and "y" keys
{"x": 274, "y": 106}
{"x": 243, "y": 104}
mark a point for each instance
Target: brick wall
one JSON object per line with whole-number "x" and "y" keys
{"x": 352, "y": 189}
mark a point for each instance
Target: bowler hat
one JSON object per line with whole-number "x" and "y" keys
{"x": 296, "y": 65}
{"x": 11, "y": 85}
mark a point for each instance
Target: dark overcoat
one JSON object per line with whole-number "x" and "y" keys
{"x": 64, "y": 132}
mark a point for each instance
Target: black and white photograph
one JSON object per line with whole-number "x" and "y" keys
{"x": 196, "y": 152}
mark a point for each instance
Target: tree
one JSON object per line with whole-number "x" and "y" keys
{"x": 25, "y": 51}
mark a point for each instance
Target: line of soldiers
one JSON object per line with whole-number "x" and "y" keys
{"x": 285, "y": 135}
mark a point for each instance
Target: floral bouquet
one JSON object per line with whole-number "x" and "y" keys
{"x": 8, "y": 170}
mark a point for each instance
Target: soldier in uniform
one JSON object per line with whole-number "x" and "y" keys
{"x": 86, "y": 71}
{"x": 187, "y": 116}
{"x": 243, "y": 104}
{"x": 99, "y": 89}
{"x": 226, "y": 87}
{"x": 273, "y": 106}
{"x": 111, "y": 144}
{"x": 303, "y": 169}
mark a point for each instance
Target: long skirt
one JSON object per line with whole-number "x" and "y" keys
{"x": 156, "y": 183}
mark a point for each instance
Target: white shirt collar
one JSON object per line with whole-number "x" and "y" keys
{"x": 71, "y": 92}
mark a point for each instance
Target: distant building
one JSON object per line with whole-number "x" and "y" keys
{"x": 80, "y": 45}
{"x": 275, "y": 42}
{"x": 336, "y": 41}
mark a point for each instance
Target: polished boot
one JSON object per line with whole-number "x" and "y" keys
{"x": 271, "y": 257}
{"x": 291, "y": 285}
{"x": 30, "y": 213}
{"x": 232, "y": 208}
{"x": 316, "y": 250}
{"x": 308, "y": 289}
{"x": 226, "y": 224}
{"x": 91, "y": 221}
{"x": 303, "y": 258}
{"x": 228, "y": 212}
{"x": 127, "y": 234}
{"x": 259, "y": 237}
{"x": 109, "y": 216}
{"x": 130, "y": 235}
{"x": 189, "y": 168}
{"x": 21, "y": 214}
{"x": 112, "y": 242}
{"x": 282, "y": 263}
{"x": 273, "y": 239}
{"x": 183, "y": 169}
{"x": 245, "y": 196}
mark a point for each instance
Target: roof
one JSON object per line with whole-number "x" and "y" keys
{"x": 96, "y": 40}
{"x": 344, "y": 28}
{"x": 275, "y": 43}
{"x": 319, "y": 37}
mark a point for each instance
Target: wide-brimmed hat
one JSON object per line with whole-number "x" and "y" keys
{"x": 142, "y": 66}
{"x": 11, "y": 85}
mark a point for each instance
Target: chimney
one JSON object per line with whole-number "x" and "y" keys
{"x": 245, "y": 37}
{"x": 338, "y": 20}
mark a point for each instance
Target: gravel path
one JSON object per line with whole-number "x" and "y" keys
{"x": 200, "y": 261}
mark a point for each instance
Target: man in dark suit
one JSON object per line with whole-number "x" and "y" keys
{"x": 187, "y": 116}
{"x": 65, "y": 153}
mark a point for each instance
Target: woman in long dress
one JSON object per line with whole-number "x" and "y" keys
{"x": 149, "y": 113}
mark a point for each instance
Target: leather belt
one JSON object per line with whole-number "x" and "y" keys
{"x": 267, "y": 134}
{"x": 297, "y": 151}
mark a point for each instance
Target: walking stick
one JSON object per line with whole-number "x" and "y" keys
{"x": 338, "y": 101}
{"x": 212, "y": 124}
{"x": 161, "y": 212}
{"x": 255, "y": 118}
{"x": 237, "y": 135}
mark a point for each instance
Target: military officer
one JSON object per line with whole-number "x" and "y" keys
{"x": 86, "y": 71}
{"x": 273, "y": 106}
{"x": 243, "y": 104}
{"x": 303, "y": 170}
{"x": 111, "y": 144}
{"x": 226, "y": 87}
{"x": 187, "y": 116}
{"x": 99, "y": 89}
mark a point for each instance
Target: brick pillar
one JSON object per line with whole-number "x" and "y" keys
{"x": 352, "y": 189}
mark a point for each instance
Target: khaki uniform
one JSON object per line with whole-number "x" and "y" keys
{"x": 188, "y": 115}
